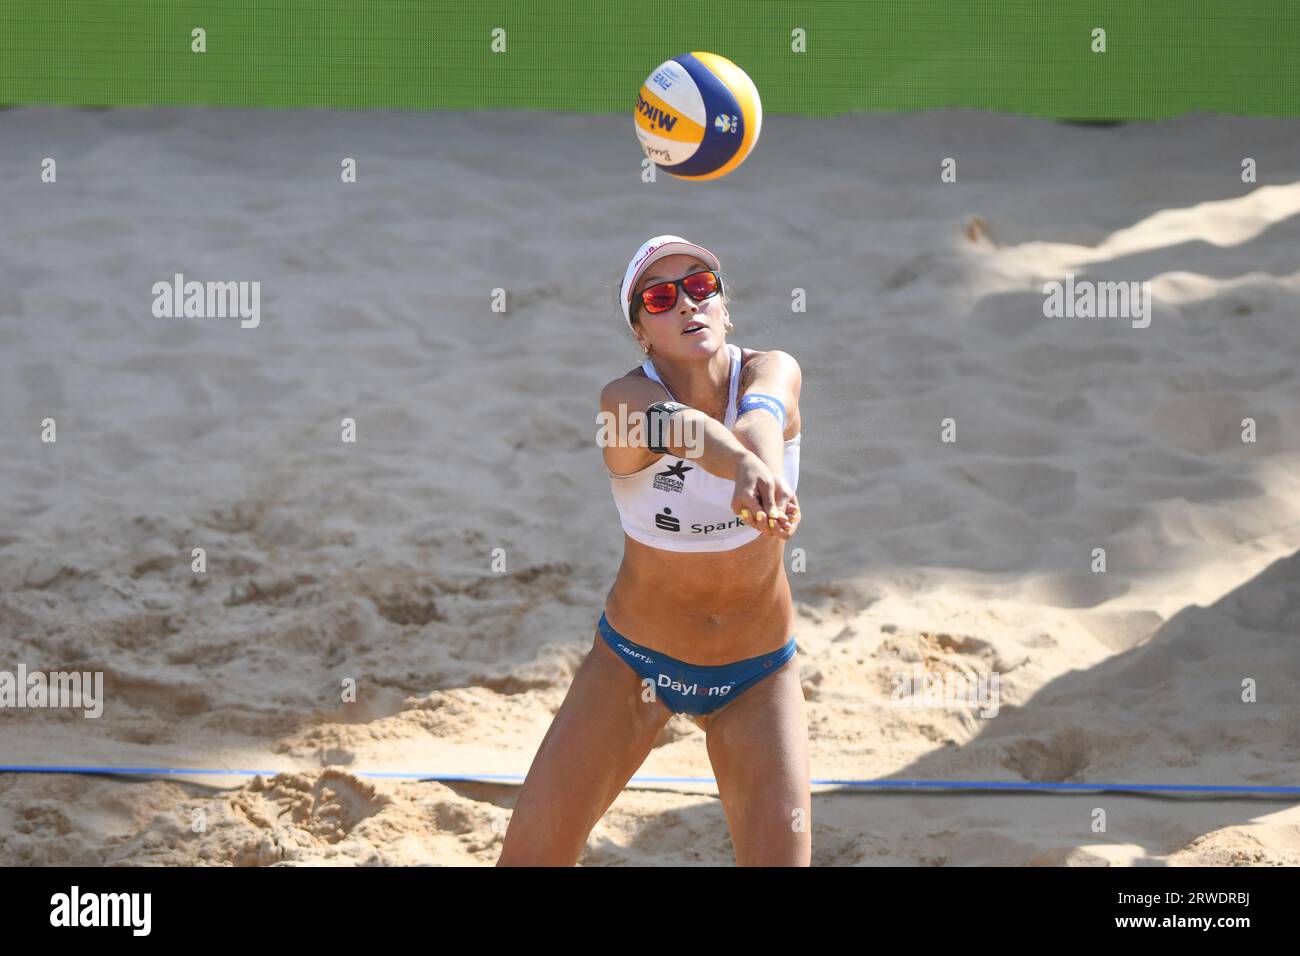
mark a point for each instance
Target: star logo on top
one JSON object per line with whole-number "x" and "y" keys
{"x": 674, "y": 478}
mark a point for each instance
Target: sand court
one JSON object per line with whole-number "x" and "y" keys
{"x": 452, "y": 561}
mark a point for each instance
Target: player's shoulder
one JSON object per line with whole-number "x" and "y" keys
{"x": 633, "y": 387}
{"x": 773, "y": 355}
{"x": 753, "y": 359}
{"x": 634, "y": 378}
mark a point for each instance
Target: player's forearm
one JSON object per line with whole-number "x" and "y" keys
{"x": 760, "y": 432}
{"x": 706, "y": 442}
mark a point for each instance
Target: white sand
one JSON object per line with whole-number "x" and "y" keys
{"x": 476, "y": 429}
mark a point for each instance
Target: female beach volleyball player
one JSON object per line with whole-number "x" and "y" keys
{"x": 699, "y": 619}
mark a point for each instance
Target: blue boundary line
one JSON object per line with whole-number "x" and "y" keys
{"x": 514, "y": 777}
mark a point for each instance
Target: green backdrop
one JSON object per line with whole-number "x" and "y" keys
{"x": 1163, "y": 57}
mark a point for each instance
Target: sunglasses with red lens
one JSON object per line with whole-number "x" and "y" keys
{"x": 663, "y": 296}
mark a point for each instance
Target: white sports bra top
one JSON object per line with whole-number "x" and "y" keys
{"x": 675, "y": 505}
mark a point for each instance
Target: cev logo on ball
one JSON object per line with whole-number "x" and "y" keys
{"x": 726, "y": 124}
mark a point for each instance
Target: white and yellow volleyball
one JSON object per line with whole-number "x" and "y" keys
{"x": 698, "y": 116}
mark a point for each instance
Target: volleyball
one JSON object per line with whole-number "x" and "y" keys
{"x": 698, "y": 116}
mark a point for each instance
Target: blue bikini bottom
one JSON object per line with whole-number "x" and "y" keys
{"x": 693, "y": 688}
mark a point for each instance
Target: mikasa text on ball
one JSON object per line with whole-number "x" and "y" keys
{"x": 698, "y": 116}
